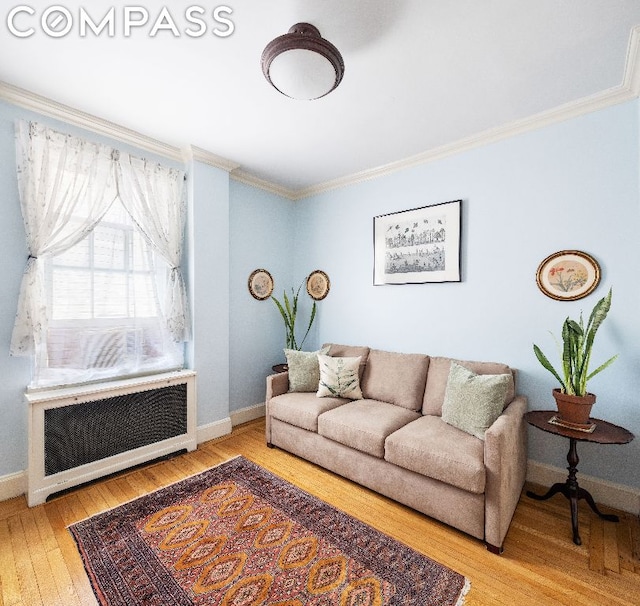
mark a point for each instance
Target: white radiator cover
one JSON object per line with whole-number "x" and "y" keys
{"x": 43, "y": 482}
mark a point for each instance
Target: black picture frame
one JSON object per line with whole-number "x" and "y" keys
{"x": 419, "y": 245}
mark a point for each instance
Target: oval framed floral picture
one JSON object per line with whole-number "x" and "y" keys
{"x": 568, "y": 275}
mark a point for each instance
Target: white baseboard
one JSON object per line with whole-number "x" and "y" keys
{"x": 217, "y": 429}
{"x": 244, "y": 415}
{"x": 214, "y": 430}
{"x": 13, "y": 485}
{"x": 618, "y": 496}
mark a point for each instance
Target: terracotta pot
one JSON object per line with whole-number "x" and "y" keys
{"x": 574, "y": 409}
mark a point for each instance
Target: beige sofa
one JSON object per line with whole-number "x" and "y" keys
{"x": 395, "y": 442}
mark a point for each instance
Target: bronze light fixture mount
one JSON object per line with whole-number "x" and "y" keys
{"x": 308, "y": 83}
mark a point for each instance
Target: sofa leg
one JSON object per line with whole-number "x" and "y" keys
{"x": 497, "y": 550}
{"x": 270, "y": 445}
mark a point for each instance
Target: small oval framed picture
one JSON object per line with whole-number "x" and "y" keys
{"x": 568, "y": 275}
{"x": 318, "y": 285}
{"x": 260, "y": 284}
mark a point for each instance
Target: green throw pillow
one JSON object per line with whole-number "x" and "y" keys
{"x": 304, "y": 374}
{"x": 339, "y": 377}
{"x": 473, "y": 402}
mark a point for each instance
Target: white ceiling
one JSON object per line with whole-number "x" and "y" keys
{"x": 420, "y": 75}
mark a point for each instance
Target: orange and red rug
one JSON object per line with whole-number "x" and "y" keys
{"x": 237, "y": 535}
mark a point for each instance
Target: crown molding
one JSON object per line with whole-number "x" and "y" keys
{"x": 628, "y": 90}
{"x": 631, "y": 80}
{"x": 53, "y": 109}
{"x": 280, "y": 190}
{"x": 560, "y": 114}
{"x": 197, "y": 154}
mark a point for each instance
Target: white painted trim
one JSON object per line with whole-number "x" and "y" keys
{"x": 40, "y": 485}
{"x": 631, "y": 80}
{"x": 59, "y": 111}
{"x": 13, "y": 485}
{"x": 565, "y": 112}
{"x": 628, "y": 90}
{"x": 280, "y": 190}
{"x": 244, "y": 415}
{"x": 618, "y": 496}
{"x": 198, "y": 154}
{"x": 214, "y": 430}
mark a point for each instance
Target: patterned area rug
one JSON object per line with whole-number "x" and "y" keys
{"x": 237, "y": 535}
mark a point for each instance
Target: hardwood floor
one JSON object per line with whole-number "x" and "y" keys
{"x": 39, "y": 562}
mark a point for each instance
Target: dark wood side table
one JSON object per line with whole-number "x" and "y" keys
{"x": 604, "y": 433}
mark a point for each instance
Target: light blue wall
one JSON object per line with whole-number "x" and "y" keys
{"x": 208, "y": 241}
{"x": 14, "y": 372}
{"x": 573, "y": 185}
{"x": 262, "y": 228}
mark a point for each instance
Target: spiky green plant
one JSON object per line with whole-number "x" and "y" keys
{"x": 288, "y": 309}
{"x": 577, "y": 346}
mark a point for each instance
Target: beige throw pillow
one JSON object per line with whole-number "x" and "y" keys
{"x": 339, "y": 377}
{"x": 473, "y": 402}
{"x": 304, "y": 374}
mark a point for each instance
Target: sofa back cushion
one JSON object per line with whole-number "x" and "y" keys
{"x": 396, "y": 378}
{"x": 349, "y": 351}
{"x": 438, "y": 376}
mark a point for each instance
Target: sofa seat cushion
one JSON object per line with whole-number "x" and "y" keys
{"x": 397, "y": 378}
{"x": 431, "y": 447}
{"x": 302, "y": 409}
{"x": 364, "y": 424}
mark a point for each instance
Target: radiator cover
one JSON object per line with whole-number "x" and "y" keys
{"x": 77, "y": 435}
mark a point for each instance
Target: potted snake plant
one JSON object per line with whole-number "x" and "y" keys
{"x": 288, "y": 309}
{"x": 573, "y": 399}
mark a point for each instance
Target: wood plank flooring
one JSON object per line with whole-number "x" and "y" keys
{"x": 40, "y": 565}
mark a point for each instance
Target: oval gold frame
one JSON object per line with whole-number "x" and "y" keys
{"x": 318, "y": 285}
{"x": 568, "y": 275}
{"x": 260, "y": 284}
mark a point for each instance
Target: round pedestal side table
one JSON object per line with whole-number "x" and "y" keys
{"x": 603, "y": 433}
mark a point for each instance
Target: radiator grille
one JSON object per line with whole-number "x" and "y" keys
{"x": 91, "y": 431}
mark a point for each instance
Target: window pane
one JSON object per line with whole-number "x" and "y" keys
{"x": 76, "y": 256}
{"x": 143, "y": 303}
{"x": 71, "y": 294}
{"x": 141, "y": 257}
{"x": 110, "y": 291}
{"x": 106, "y": 319}
{"x": 109, "y": 248}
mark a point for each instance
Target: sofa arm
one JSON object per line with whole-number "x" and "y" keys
{"x": 505, "y": 459}
{"x": 276, "y": 386}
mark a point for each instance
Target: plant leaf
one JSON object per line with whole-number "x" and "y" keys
{"x": 545, "y": 362}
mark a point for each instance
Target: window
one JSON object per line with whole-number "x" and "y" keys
{"x": 105, "y": 316}
{"x": 102, "y": 294}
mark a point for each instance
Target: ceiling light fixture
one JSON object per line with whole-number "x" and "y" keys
{"x": 301, "y": 64}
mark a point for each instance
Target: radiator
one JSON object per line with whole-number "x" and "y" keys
{"x": 79, "y": 434}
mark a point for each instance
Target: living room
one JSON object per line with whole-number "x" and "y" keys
{"x": 563, "y": 180}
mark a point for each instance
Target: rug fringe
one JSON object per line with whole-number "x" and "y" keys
{"x": 193, "y": 475}
{"x": 463, "y": 593}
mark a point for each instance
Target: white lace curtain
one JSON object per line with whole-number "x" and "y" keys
{"x": 59, "y": 177}
{"x": 62, "y": 178}
{"x": 153, "y": 196}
